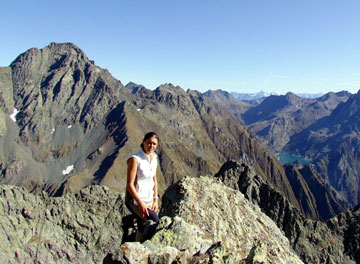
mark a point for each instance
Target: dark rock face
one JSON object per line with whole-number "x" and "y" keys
{"x": 316, "y": 200}
{"x": 347, "y": 225}
{"x": 328, "y": 203}
{"x": 314, "y": 241}
{"x": 60, "y": 84}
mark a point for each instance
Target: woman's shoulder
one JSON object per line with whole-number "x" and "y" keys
{"x": 140, "y": 156}
{"x": 135, "y": 156}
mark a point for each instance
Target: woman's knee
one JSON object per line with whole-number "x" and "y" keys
{"x": 153, "y": 216}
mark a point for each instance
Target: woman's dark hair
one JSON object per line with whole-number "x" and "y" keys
{"x": 149, "y": 135}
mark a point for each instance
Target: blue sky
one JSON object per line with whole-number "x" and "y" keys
{"x": 241, "y": 46}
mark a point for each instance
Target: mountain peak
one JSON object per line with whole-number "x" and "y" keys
{"x": 59, "y": 54}
{"x": 169, "y": 88}
{"x": 217, "y": 93}
{"x": 292, "y": 98}
{"x": 64, "y": 44}
{"x": 134, "y": 87}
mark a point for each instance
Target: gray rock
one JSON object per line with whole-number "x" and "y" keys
{"x": 223, "y": 215}
{"x": 77, "y": 228}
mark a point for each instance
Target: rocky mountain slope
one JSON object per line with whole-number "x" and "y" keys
{"x": 312, "y": 187}
{"x": 278, "y": 118}
{"x": 332, "y": 143}
{"x": 225, "y": 99}
{"x": 76, "y": 228}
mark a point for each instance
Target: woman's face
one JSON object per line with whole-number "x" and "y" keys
{"x": 150, "y": 145}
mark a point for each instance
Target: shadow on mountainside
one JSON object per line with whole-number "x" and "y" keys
{"x": 116, "y": 125}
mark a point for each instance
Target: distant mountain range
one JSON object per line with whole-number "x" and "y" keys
{"x": 262, "y": 95}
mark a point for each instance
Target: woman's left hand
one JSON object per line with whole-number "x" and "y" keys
{"x": 155, "y": 205}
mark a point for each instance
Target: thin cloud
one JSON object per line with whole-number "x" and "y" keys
{"x": 320, "y": 79}
{"x": 271, "y": 76}
{"x": 266, "y": 81}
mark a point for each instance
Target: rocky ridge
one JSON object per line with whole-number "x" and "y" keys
{"x": 314, "y": 241}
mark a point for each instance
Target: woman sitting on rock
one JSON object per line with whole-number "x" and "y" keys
{"x": 141, "y": 188}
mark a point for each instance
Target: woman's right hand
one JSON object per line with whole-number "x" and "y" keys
{"x": 143, "y": 210}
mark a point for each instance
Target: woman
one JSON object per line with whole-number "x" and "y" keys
{"x": 141, "y": 188}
